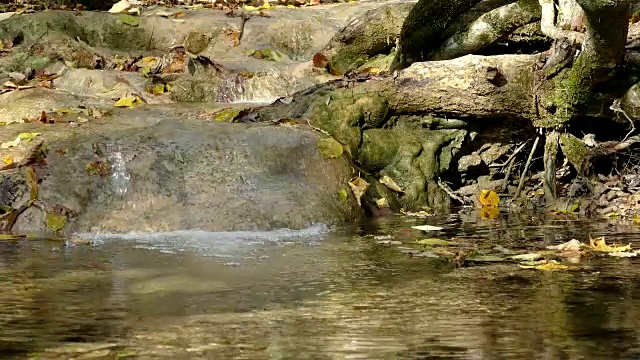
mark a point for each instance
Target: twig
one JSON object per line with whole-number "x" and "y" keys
{"x": 526, "y": 168}
{"x": 507, "y": 175}
{"x": 616, "y": 108}
{"x": 513, "y": 155}
{"x": 450, "y": 192}
{"x": 318, "y": 129}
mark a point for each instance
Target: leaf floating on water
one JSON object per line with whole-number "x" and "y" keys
{"x": 330, "y": 148}
{"x": 489, "y": 198}
{"x": 388, "y": 182}
{"x": 600, "y": 245}
{"x": 624, "y": 254}
{"x": 433, "y": 242}
{"x": 544, "y": 265}
{"x": 571, "y": 245}
{"x": 358, "y": 186}
{"x": 427, "y": 228}
{"x": 526, "y": 257}
{"x": 130, "y": 20}
{"x": 56, "y": 222}
{"x": 11, "y": 237}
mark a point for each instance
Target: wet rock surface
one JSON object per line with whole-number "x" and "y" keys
{"x": 158, "y": 169}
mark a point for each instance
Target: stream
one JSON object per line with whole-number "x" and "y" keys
{"x": 318, "y": 293}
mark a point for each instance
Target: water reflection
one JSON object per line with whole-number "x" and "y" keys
{"x": 340, "y": 296}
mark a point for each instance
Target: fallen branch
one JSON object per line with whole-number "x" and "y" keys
{"x": 526, "y": 168}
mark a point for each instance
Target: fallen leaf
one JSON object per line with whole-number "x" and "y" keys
{"x": 358, "y": 186}
{"x": 129, "y": 20}
{"x": 7, "y": 160}
{"x": 624, "y": 254}
{"x": 122, "y": 5}
{"x": 599, "y": 244}
{"x": 250, "y": 8}
{"x": 427, "y": 228}
{"x": 98, "y": 168}
{"x": 526, "y": 257}
{"x": 320, "y": 61}
{"x": 545, "y": 265}
{"x": 179, "y": 14}
{"x": 291, "y": 6}
{"x": 342, "y": 194}
{"x": 9, "y": 144}
{"x": 32, "y": 180}
{"x": 158, "y": 89}
{"x": 266, "y": 5}
{"x": 433, "y": 242}
{"x": 330, "y": 148}
{"x": 489, "y": 198}
{"x": 571, "y": 245}
{"x": 128, "y": 102}
{"x": 382, "y": 203}
{"x": 388, "y": 182}
{"x": 56, "y": 222}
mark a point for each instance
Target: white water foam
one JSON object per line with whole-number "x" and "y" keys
{"x": 207, "y": 243}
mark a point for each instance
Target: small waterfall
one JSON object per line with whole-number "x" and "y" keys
{"x": 119, "y": 175}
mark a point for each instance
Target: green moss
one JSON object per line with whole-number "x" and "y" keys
{"x": 575, "y": 151}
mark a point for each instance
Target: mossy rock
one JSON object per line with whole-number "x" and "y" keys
{"x": 196, "y": 42}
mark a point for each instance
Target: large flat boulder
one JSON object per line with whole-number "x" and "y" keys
{"x": 159, "y": 168}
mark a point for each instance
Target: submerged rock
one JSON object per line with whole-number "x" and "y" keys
{"x": 162, "y": 169}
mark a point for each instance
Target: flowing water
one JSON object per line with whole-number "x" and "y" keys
{"x": 319, "y": 293}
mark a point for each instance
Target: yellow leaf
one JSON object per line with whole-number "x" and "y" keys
{"x": 33, "y": 184}
{"x": 27, "y": 137}
{"x": 433, "y": 242}
{"x": 266, "y": 6}
{"x": 7, "y": 160}
{"x": 600, "y": 245}
{"x": 148, "y": 59}
{"x": 250, "y": 8}
{"x": 291, "y": 6}
{"x": 342, "y": 194}
{"x": 158, "y": 89}
{"x": 489, "y": 198}
{"x": 56, "y": 222}
{"x": 358, "y": 186}
{"x": 330, "y": 148}
{"x": 124, "y": 102}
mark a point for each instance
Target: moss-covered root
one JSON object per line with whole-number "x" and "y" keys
{"x": 578, "y": 154}
{"x": 550, "y": 156}
{"x": 488, "y": 29}
{"x": 373, "y": 34}
{"x": 423, "y": 29}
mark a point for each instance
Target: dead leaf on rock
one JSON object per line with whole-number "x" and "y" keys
{"x": 121, "y": 6}
{"x": 320, "y": 61}
{"x": 358, "y": 186}
{"x": 388, "y": 182}
{"x": 98, "y": 168}
{"x": 128, "y": 102}
{"x": 56, "y": 222}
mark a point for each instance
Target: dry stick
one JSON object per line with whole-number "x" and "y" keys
{"x": 526, "y": 168}
{"x": 450, "y": 192}
{"x": 511, "y": 161}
